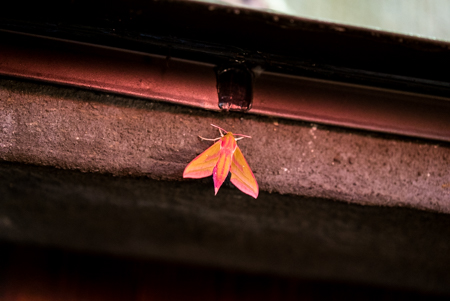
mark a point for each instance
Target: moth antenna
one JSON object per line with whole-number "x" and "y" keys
{"x": 219, "y": 128}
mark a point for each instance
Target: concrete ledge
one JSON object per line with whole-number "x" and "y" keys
{"x": 93, "y": 132}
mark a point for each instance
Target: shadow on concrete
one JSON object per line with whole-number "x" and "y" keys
{"x": 182, "y": 222}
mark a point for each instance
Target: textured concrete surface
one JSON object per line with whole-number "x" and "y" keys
{"x": 182, "y": 222}
{"x": 93, "y": 132}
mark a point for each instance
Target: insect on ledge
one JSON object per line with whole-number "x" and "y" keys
{"x": 224, "y": 157}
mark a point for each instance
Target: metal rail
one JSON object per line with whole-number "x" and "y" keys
{"x": 194, "y": 83}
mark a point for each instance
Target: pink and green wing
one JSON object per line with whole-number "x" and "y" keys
{"x": 203, "y": 165}
{"x": 242, "y": 176}
{"x": 222, "y": 169}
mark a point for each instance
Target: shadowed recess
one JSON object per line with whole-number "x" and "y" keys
{"x": 183, "y": 222}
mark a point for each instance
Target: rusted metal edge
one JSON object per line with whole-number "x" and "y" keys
{"x": 279, "y": 43}
{"x": 194, "y": 84}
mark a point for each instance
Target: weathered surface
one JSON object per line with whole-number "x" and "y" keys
{"x": 312, "y": 239}
{"x": 94, "y": 132}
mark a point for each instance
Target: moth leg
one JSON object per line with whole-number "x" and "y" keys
{"x": 208, "y": 139}
{"x": 240, "y": 138}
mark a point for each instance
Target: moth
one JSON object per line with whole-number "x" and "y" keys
{"x": 223, "y": 157}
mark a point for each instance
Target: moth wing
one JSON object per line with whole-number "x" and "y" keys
{"x": 242, "y": 176}
{"x": 203, "y": 165}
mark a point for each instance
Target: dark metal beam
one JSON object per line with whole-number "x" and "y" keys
{"x": 217, "y": 33}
